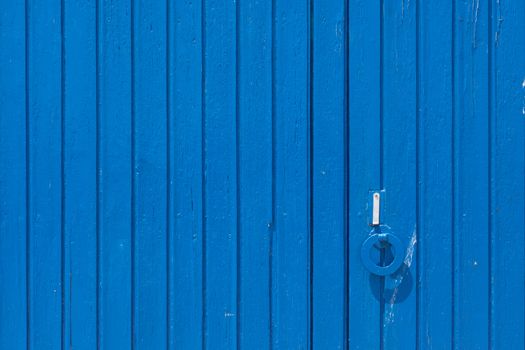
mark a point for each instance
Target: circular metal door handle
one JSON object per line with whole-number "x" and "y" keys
{"x": 382, "y": 240}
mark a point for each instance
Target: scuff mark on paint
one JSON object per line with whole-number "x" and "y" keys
{"x": 475, "y": 14}
{"x": 403, "y": 8}
{"x": 499, "y": 22}
{"x": 409, "y": 256}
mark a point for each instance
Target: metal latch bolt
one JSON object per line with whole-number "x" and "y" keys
{"x": 375, "y": 209}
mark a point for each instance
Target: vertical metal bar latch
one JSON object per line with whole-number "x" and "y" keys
{"x": 375, "y": 208}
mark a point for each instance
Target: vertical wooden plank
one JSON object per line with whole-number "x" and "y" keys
{"x": 471, "y": 162}
{"x": 186, "y": 174}
{"x": 45, "y": 180}
{"x": 328, "y": 157}
{"x": 399, "y": 168}
{"x": 221, "y": 195}
{"x": 255, "y": 171}
{"x": 114, "y": 174}
{"x": 13, "y": 215}
{"x": 80, "y": 174}
{"x": 364, "y": 166}
{"x": 290, "y": 258}
{"x": 435, "y": 176}
{"x": 507, "y": 177}
{"x": 149, "y": 171}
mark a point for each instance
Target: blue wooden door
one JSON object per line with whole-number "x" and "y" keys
{"x": 251, "y": 174}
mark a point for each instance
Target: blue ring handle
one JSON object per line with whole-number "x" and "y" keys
{"x": 382, "y": 239}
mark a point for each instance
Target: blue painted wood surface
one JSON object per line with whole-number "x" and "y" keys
{"x": 198, "y": 174}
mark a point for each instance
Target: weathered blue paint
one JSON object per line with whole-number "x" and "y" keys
{"x": 198, "y": 174}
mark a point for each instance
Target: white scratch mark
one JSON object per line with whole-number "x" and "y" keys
{"x": 410, "y": 250}
{"x": 409, "y": 255}
{"x": 523, "y": 86}
{"x": 229, "y": 314}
